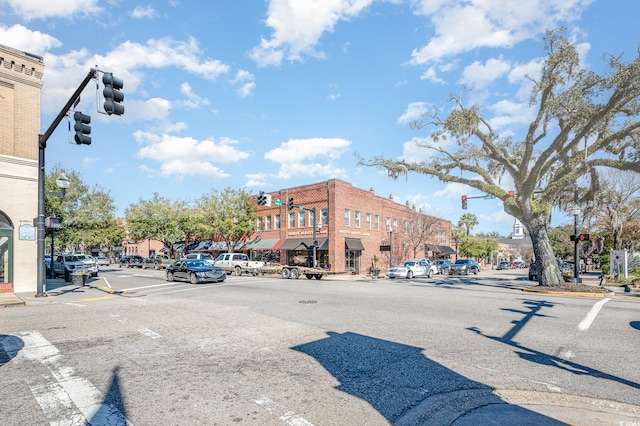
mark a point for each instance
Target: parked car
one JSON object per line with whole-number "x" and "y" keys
{"x": 199, "y": 256}
{"x": 164, "y": 261}
{"x": 533, "y": 271}
{"x": 443, "y": 266}
{"x": 195, "y": 271}
{"x": 130, "y": 261}
{"x": 150, "y": 262}
{"x": 505, "y": 265}
{"x": 412, "y": 268}
{"x": 103, "y": 261}
{"x": 464, "y": 267}
{"x": 237, "y": 263}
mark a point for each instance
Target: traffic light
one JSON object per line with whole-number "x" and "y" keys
{"x": 290, "y": 203}
{"x": 464, "y": 202}
{"x": 262, "y": 199}
{"x": 112, "y": 94}
{"x": 581, "y": 237}
{"x": 82, "y": 128}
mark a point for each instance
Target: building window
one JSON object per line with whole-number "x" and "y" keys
{"x": 301, "y": 220}
{"x": 347, "y": 217}
{"x": 267, "y": 226}
{"x": 388, "y": 224}
{"x": 368, "y": 220}
{"x": 292, "y": 220}
{"x": 405, "y": 227}
{"x": 276, "y": 221}
{"x": 377, "y": 222}
{"x": 395, "y": 225}
{"x": 357, "y": 219}
{"x": 324, "y": 217}
{"x": 312, "y": 218}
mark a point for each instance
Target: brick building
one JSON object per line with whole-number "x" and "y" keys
{"x": 352, "y": 224}
{"x": 20, "y": 84}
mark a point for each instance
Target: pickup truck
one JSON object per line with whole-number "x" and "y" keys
{"x": 237, "y": 263}
{"x": 66, "y": 264}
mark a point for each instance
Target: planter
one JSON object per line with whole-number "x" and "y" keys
{"x": 79, "y": 278}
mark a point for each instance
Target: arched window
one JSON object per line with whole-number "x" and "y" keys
{"x": 6, "y": 249}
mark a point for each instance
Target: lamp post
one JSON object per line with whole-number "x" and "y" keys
{"x": 63, "y": 183}
{"x": 575, "y": 212}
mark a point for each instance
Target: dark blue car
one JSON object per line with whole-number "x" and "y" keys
{"x": 195, "y": 271}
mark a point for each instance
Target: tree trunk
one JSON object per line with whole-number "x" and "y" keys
{"x": 548, "y": 271}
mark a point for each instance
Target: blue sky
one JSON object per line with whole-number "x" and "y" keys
{"x": 265, "y": 95}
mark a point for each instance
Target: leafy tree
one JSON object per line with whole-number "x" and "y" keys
{"x": 582, "y": 122}
{"x": 88, "y": 215}
{"x": 229, "y": 216}
{"x": 468, "y": 221}
{"x": 161, "y": 219}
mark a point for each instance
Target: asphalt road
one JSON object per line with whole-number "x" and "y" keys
{"x": 130, "y": 348}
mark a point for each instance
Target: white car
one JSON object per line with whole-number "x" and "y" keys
{"x": 413, "y": 268}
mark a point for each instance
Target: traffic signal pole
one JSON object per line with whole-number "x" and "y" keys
{"x": 42, "y": 144}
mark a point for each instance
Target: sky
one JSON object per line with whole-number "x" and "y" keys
{"x": 272, "y": 94}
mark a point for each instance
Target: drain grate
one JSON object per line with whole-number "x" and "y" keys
{"x": 308, "y": 302}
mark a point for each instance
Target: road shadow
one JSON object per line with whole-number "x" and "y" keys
{"x": 398, "y": 380}
{"x": 10, "y": 345}
{"x": 113, "y": 410}
{"x": 531, "y": 310}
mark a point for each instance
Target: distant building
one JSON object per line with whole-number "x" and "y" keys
{"x": 349, "y": 228}
{"x": 20, "y": 84}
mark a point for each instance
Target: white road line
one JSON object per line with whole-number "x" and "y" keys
{"x": 106, "y": 281}
{"x": 75, "y": 304}
{"x": 289, "y": 417}
{"x": 147, "y": 286}
{"x": 591, "y": 316}
{"x": 67, "y": 399}
{"x": 149, "y": 333}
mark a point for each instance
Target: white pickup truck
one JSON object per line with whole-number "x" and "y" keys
{"x": 237, "y": 263}
{"x": 66, "y": 264}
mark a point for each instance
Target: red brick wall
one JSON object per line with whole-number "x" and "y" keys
{"x": 337, "y": 195}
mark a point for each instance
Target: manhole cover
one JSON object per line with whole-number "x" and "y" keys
{"x": 308, "y": 301}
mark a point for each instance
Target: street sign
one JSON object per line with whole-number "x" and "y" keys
{"x": 385, "y": 248}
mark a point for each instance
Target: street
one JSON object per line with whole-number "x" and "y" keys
{"x": 131, "y": 348}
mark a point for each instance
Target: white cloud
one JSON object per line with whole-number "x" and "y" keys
{"x": 141, "y": 12}
{"x": 38, "y": 9}
{"x": 413, "y": 151}
{"x": 193, "y": 101}
{"x": 489, "y": 23}
{"x": 22, "y": 38}
{"x": 298, "y": 26}
{"x": 296, "y": 156}
{"x": 413, "y": 112}
{"x": 245, "y": 82}
{"x": 479, "y": 75}
{"x": 187, "y": 156}
{"x": 257, "y": 180}
{"x": 127, "y": 61}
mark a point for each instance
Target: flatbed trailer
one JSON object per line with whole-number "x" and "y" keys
{"x": 293, "y": 272}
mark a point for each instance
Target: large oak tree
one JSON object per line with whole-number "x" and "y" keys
{"x": 583, "y": 122}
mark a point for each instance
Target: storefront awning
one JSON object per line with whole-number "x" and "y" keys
{"x": 299, "y": 244}
{"x": 266, "y": 244}
{"x": 441, "y": 250}
{"x": 353, "y": 243}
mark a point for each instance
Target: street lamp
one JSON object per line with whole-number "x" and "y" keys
{"x": 575, "y": 212}
{"x": 63, "y": 183}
